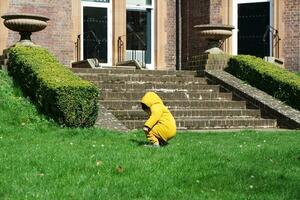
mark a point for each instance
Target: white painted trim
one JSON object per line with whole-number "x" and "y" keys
{"x": 133, "y": 7}
{"x": 153, "y": 23}
{"x": 235, "y": 21}
{"x": 109, "y": 28}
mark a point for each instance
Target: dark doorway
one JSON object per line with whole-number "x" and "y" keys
{"x": 253, "y": 19}
{"x": 139, "y": 34}
{"x": 95, "y": 33}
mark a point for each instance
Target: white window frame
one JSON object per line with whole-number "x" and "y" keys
{"x": 235, "y": 21}
{"x": 108, "y": 6}
{"x": 143, "y": 7}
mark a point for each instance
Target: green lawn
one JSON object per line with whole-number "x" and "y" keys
{"x": 39, "y": 160}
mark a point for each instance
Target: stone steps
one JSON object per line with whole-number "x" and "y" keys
{"x": 194, "y": 102}
{"x": 172, "y": 95}
{"x": 155, "y": 86}
{"x": 211, "y": 123}
{"x": 120, "y": 70}
{"x": 3, "y": 62}
{"x": 122, "y": 78}
{"x": 175, "y": 104}
{"x": 191, "y": 113}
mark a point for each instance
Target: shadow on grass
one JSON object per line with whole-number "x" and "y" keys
{"x": 139, "y": 142}
{"x": 143, "y": 143}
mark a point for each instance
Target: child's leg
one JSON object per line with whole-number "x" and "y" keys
{"x": 153, "y": 137}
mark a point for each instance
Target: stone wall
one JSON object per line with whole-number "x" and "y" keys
{"x": 57, "y": 37}
{"x": 291, "y": 38}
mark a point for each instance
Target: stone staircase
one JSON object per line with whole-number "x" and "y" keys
{"x": 4, "y": 60}
{"x": 195, "y": 104}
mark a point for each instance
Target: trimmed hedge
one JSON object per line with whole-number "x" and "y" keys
{"x": 272, "y": 79}
{"x": 55, "y": 90}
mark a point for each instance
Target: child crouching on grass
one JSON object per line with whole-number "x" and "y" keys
{"x": 161, "y": 125}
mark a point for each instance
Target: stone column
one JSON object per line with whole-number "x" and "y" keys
{"x": 160, "y": 33}
{"x": 165, "y": 34}
{"x": 3, "y": 30}
{"x": 76, "y": 18}
{"x": 119, "y": 28}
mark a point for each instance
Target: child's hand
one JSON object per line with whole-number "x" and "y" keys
{"x": 146, "y": 129}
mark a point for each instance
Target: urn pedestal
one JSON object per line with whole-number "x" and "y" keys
{"x": 25, "y": 24}
{"x": 214, "y": 33}
{"x": 213, "y": 58}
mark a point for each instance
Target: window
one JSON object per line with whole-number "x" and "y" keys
{"x": 137, "y": 30}
{"x": 96, "y": 30}
{"x": 140, "y": 31}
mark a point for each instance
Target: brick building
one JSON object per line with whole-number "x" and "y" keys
{"x": 159, "y": 33}
{"x": 250, "y": 18}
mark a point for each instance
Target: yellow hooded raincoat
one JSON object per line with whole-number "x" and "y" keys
{"x": 161, "y": 122}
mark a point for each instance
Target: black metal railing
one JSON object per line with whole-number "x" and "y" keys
{"x": 77, "y": 48}
{"x": 138, "y": 53}
{"x": 120, "y": 49}
{"x": 274, "y": 40}
{"x": 96, "y": 47}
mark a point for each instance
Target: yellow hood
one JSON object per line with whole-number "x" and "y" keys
{"x": 151, "y": 98}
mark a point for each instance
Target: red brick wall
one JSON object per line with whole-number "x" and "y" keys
{"x": 291, "y": 39}
{"x": 57, "y": 36}
{"x": 216, "y": 11}
{"x": 194, "y": 12}
{"x": 170, "y": 51}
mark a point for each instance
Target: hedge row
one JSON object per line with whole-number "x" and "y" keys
{"x": 55, "y": 90}
{"x": 268, "y": 77}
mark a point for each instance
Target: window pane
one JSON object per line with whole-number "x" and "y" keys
{"x": 138, "y": 40}
{"x": 101, "y": 1}
{"x": 136, "y": 30}
{"x": 95, "y": 33}
{"x": 139, "y": 2}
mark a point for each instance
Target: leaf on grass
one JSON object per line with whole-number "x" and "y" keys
{"x": 99, "y": 162}
{"x": 120, "y": 169}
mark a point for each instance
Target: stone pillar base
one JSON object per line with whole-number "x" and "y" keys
{"x": 207, "y": 61}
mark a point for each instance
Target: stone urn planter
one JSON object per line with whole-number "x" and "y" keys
{"x": 214, "y": 33}
{"x": 25, "y": 24}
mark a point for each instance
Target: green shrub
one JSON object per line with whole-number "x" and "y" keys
{"x": 268, "y": 77}
{"x": 55, "y": 90}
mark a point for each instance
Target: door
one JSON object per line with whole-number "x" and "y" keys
{"x": 140, "y": 32}
{"x": 96, "y": 32}
{"x": 253, "y": 20}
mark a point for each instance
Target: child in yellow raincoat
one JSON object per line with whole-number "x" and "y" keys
{"x": 161, "y": 125}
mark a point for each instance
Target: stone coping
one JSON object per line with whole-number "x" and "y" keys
{"x": 215, "y": 26}
{"x": 286, "y": 116}
{"x": 107, "y": 120}
{"x": 25, "y": 16}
